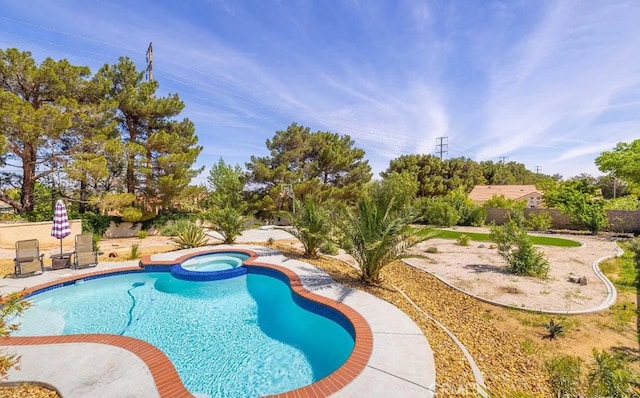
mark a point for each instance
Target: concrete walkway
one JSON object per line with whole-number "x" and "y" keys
{"x": 401, "y": 361}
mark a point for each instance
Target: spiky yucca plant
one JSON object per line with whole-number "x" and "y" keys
{"x": 190, "y": 236}
{"x": 554, "y": 329}
{"x": 376, "y": 235}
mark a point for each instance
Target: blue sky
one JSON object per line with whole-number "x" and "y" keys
{"x": 545, "y": 83}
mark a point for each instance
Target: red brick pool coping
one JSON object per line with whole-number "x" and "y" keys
{"x": 166, "y": 377}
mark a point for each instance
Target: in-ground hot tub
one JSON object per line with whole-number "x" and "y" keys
{"x": 210, "y": 267}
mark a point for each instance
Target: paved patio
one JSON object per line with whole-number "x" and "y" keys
{"x": 401, "y": 361}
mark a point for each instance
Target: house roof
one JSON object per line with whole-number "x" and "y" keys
{"x": 482, "y": 193}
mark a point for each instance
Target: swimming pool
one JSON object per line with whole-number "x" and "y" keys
{"x": 244, "y": 336}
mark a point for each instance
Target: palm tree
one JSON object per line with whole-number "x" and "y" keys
{"x": 311, "y": 225}
{"x": 376, "y": 235}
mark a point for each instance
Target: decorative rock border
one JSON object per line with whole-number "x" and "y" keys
{"x": 481, "y": 387}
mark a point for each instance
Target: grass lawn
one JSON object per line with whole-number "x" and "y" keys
{"x": 484, "y": 237}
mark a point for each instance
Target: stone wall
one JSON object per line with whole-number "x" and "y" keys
{"x": 619, "y": 220}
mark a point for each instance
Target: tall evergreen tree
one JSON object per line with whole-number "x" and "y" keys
{"x": 324, "y": 164}
{"x": 159, "y": 149}
{"x": 438, "y": 177}
{"x": 36, "y": 112}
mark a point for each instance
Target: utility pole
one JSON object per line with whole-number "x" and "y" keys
{"x": 149, "y": 70}
{"x": 503, "y": 158}
{"x": 537, "y": 169}
{"x": 441, "y": 148}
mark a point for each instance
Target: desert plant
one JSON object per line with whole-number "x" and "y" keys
{"x": 97, "y": 224}
{"x": 12, "y": 307}
{"x": 191, "y": 236}
{"x": 310, "y": 225}
{"x": 228, "y": 222}
{"x": 172, "y": 227}
{"x": 538, "y": 221}
{"x": 431, "y": 250}
{"x": 609, "y": 376}
{"x": 463, "y": 240}
{"x": 555, "y": 329}
{"x": 516, "y": 248}
{"x": 564, "y": 375}
{"x": 439, "y": 212}
{"x": 270, "y": 241}
{"x": 134, "y": 252}
{"x": 143, "y": 234}
{"x": 375, "y": 235}
{"x": 329, "y": 248}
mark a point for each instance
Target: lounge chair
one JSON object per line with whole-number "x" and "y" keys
{"x": 28, "y": 259}
{"x": 85, "y": 256}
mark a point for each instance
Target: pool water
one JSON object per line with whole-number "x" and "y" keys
{"x": 238, "y": 337}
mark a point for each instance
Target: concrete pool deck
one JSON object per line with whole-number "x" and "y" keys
{"x": 400, "y": 362}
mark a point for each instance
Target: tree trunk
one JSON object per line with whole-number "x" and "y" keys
{"x": 83, "y": 207}
{"x": 28, "y": 179}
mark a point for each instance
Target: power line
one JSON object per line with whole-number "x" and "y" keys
{"x": 441, "y": 148}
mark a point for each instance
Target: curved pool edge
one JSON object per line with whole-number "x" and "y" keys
{"x": 363, "y": 341}
{"x": 165, "y": 376}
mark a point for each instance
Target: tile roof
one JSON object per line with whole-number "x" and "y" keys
{"x": 482, "y": 193}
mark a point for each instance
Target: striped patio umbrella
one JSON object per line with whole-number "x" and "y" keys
{"x": 61, "y": 227}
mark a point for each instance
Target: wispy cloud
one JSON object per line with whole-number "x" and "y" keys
{"x": 553, "y": 85}
{"x": 545, "y": 83}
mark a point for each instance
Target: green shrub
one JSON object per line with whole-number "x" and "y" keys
{"x": 97, "y": 224}
{"x": 473, "y": 215}
{"x": 228, "y": 222}
{"x": 191, "y": 236}
{"x": 131, "y": 214}
{"x": 431, "y": 249}
{"x": 634, "y": 246}
{"x": 164, "y": 219}
{"x": 440, "y": 213}
{"x": 516, "y": 248}
{"x": 134, "y": 252}
{"x": 609, "y": 376}
{"x": 463, "y": 240}
{"x": 143, "y": 234}
{"x": 564, "y": 375}
{"x": 539, "y": 221}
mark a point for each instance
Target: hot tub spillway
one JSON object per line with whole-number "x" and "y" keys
{"x": 210, "y": 267}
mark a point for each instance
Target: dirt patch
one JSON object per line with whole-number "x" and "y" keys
{"x": 478, "y": 269}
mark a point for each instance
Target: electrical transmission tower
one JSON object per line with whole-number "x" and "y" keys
{"x": 441, "y": 147}
{"x": 503, "y": 158}
{"x": 149, "y": 71}
{"x": 537, "y": 169}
